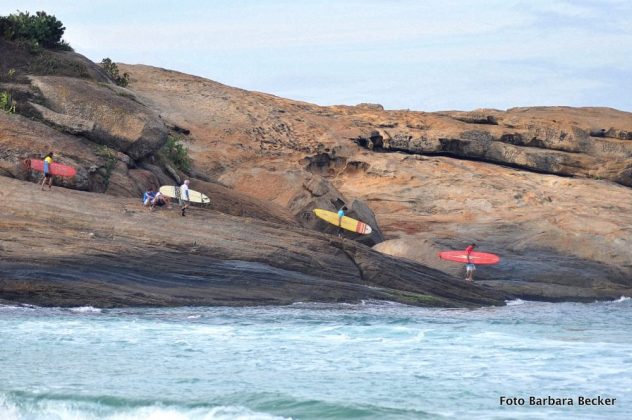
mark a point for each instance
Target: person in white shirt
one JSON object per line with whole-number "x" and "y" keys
{"x": 184, "y": 196}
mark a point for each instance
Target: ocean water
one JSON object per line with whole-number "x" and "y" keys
{"x": 313, "y": 361}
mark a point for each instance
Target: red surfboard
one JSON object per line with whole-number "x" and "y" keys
{"x": 56, "y": 169}
{"x": 475, "y": 257}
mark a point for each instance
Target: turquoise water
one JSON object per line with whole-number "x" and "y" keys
{"x": 377, "y": 360}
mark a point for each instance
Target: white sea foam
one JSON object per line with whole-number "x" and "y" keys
{"x": 15, "y": 307}
{"x": 72, "y": 410}
{"x": 514, "y": 302}
{"x": 219, "y": 331}
{"x": 621, "y": 299}
{"x": 86, "y": 309}
{"x": 300, "y": 360}
{"x": 8, "y": 410}
{"x": 336, "y": 338}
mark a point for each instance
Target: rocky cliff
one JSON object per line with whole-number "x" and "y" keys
{"x": 546, "y": 188}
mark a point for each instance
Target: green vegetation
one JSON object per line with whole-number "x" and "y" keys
{"x": 6, "y": 97}
{"x": 113, "y": 72}
{"x": 176, "y": 152}
{"x": 38, "y": 31}
{"x": 110, "y": 160}
{"x": 47, "y": 63}
{"x": 6, "y": 102}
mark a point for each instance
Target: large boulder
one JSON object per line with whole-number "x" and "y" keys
{"x": 319, "y": 193}
{"x": 104, "y": 113}
{"x": 26, "y": 139}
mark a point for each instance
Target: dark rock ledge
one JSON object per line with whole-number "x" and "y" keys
{"x": 73, "y": 248}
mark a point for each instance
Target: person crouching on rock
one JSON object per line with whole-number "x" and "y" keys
{"x": 184, "y": 196}
{"x": 48, "y": 160}
{"x": 148, "y": 198}
{"x": 161, "y": 200}
{"x": 470, "y": 268}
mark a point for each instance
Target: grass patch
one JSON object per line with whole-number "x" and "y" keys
{"x": 49, "y": 64}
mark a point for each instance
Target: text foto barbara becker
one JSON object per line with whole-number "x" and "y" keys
{"x": 555, "y": 401}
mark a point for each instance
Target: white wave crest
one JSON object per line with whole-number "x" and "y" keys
{"x": 86, "y": 309}
{"x": 19, "y": 306}
{"x": 515, "y": 302}
{"x": 621, "y": 299}
{"x": 72, "y": 410}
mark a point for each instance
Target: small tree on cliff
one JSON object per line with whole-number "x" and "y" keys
{"x": 177, "y": 153}
{"x": 39, "y": 30}
{"x": 113, "y": 72}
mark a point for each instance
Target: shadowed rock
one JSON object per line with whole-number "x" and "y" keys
{"x": 535, "y": 185}
{"x": 70, "y": 248}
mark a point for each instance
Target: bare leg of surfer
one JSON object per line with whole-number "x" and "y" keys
{"x": 469, "y": 272}
{"x": 50, "y": 181}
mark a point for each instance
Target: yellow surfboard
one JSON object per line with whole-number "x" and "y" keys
{"x": 346, "y": 223}
{"x": 194, "y": 196}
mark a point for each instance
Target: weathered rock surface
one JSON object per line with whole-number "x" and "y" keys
{"x": 525, "y": 184}
{"x": 554, "y": 140}
{"x": 23, "y": 139}
{"x": 75, "y": 111}
{"x": 559, "y": 238}
{"x": 98, "y": 169}
{"x": 544, "y": 187}
{"x": 104, "y": 113}
{"x": 69, "y": 248}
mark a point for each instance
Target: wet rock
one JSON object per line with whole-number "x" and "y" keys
{"x": 111, "y": 254}
{"x": 525, "y": 273}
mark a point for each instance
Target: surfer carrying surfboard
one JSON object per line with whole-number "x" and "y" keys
{"x": 470, "y": 268}
{"x": 184, "y": 196}
{"x": 341, "y": 214}
{"x": 47, "y": 175}
{"x": 469, "y": 257}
